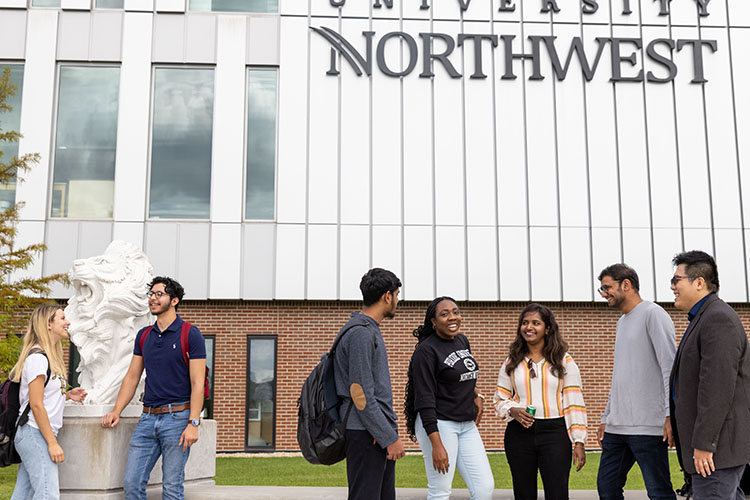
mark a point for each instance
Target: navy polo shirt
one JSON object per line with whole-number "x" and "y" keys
{"x": 167, "y": 375}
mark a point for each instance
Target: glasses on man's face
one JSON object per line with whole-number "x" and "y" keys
{"x": 158, "y": 294}
{"x": 532, "y": 372}
{"x": 606, "y": 288}
{"x": 676, "y": 279}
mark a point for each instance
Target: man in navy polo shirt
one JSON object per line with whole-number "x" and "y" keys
{"x": 173, "y": 399}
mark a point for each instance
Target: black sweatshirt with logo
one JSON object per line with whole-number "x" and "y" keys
{"x": 444, "y": 376}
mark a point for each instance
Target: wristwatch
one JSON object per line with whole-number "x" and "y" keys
{"x": 196, "y": 422}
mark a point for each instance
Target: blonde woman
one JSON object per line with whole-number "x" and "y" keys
{"x": 36, "y": 440}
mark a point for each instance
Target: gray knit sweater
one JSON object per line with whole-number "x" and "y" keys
{"x": 644, "y": 352}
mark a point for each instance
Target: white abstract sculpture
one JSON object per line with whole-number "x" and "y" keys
{"x": 107, "y": 310}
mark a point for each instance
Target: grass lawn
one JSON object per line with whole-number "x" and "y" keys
{"x": 295, "y": 471}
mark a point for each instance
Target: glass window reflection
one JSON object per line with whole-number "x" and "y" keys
{"x": 181, "y": 143}
{"x": 86, "y": 140}
{"x": 10, "y": 121}
{"x": 235, "y": 5}
{"x": 109, "y": 4}
{"x": 261, "y": 391}
{"x": 261, "y": 144}
{"x": 208, "y": 404}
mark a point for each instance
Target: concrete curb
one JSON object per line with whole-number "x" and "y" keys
{"x": 210, "y": 492}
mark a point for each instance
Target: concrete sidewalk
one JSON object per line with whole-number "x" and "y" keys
{"x": 207, "y": 491}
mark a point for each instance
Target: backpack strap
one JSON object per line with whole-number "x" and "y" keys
{"x": 185, "y": 342}
{"x": 24, "y": 417}
{"x": 344, "y": 331}
{"x": 143, "y": 337}
{"x": 36, "y": 350}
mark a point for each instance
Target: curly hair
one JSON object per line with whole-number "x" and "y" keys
{"x": 554, "y": 348}
{"x": 422, "y": 332}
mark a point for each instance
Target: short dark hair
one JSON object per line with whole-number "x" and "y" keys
{"x": 375, "y": 283}
{"x": 620, "y": 272}
{"x": 699, "y": 264}
{"x": 172, "y": 287}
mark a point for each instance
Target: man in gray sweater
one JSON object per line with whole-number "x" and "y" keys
{"x": 635, "y": 424}
{"x": 363, "y": 380}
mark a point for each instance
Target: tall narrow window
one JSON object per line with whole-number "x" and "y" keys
{"x": 10, "y": 120}
{"x": 84, "y": 178}
{"x": 181, "y": 143}
{"x": 261, "y": 392}
{"x": 235, "y": 5}
{"x": 261, "y": 144}
{"x": 208, "y": 404}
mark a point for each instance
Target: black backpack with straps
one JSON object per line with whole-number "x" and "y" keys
{"x": 320, "y": 429}
{"x": 10, "y": 405}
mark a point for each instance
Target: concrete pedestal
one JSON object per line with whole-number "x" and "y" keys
{"x": 95, "y": 457}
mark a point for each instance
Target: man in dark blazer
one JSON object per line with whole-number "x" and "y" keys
{"x": 710, "y": 383}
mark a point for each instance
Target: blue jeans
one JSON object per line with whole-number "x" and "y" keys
{"x": 620, "y": 452}
{"x": 157, "y": 435}
{"x": 465, "y": 452}
{"x": 37, "y": 477}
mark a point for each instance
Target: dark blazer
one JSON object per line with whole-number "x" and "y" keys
{"x": 710, "y": 381}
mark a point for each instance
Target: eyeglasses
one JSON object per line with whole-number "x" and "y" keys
{"x": 605, "y": 288}
{"x": 532, "y": 372}
{"x": 676, "y": 279}
{"x": 158, "y": 294}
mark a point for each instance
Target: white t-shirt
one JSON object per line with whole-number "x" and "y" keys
{"x": 54, "y": 397}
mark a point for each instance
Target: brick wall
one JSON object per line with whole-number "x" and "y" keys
{"x": 306, "y": 329}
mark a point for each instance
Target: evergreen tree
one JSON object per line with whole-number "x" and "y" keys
{"x": 18, "y": 293}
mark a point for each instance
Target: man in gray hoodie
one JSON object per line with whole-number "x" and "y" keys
{"x": 635, "y": 425}
{"x": 363, "y": 380}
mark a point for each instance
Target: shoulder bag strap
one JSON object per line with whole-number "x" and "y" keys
{"x": 185, "y": 342}
{"x": 143, "y": 337}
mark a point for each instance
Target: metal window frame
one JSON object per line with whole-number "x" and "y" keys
{"x": 275, "y": 339}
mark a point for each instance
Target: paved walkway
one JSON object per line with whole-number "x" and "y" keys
{"x": 210, "y": 492}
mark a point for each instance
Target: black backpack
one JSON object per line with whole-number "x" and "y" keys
{"x": 9, "y": 418}
{"x": 320, "y": 429}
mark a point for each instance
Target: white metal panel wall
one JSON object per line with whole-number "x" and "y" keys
{"x": 479, "y": 188}
{"x": 131, "y": 157}
{"x": 227, "y": 161}
{"x": 12, "y": 33}
{"x": 37, "y": 110}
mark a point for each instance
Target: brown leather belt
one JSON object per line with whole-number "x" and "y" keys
{"x": 166, "y": 409}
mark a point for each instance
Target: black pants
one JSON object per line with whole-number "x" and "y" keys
{"x": 546, "y": 447}
{"x": 370, "y": 474}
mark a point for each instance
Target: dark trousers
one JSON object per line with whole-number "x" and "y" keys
{"x": 545, "y": 447}
{"x": 722, "y": 484}
{"x": 371, "y": 476}
{"x": 620, "y": 452}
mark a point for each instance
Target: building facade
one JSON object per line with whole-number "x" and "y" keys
{"x": 266, "y": 153}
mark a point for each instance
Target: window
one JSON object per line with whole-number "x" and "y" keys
{"x": 235, "y": 5}
{"x": 109, "y": 4}
{"x": 181, "y": 143}
{"x": 45, "y": 3}
{"x": 74, "y": 359}
{"x": 208, "y": 404}
{"x": 261, "y": 392}
{"x": 261, "y": 144}
{"x": 86, "y": 140}
{"x": 10, "y": 121}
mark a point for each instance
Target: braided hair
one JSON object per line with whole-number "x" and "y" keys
{"x": 422, "y": 332}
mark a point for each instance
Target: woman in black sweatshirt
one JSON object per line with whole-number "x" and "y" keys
{"x": 443, "y": 406}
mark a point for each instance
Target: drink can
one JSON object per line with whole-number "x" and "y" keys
{"x": 531, "y": 410}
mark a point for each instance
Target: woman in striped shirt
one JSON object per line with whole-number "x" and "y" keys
{"x": 539, "y": 372}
